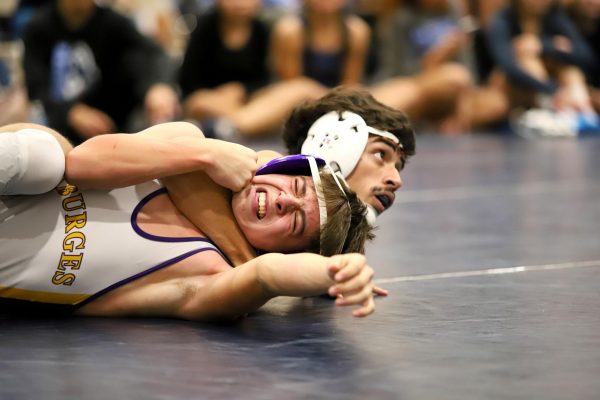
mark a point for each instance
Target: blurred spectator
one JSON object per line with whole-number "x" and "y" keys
{"x": 225, "y": 77}
{"x": 90, "y": 69}
{"x": 585, "y": 14}
{"x": 539, "y": 56}
{"x": 324, "y": 43}
{"x": 330, "y": 44}
{"x": 159, "y": 20}
{"x": 13, "y": 98}
{"x": 432, "y": 41}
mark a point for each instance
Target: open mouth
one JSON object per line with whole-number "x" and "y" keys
{"x": 261, "y": 200}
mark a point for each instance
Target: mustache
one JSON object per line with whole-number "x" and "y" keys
{"x": 383, "y": 189}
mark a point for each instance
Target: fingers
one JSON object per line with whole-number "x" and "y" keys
{"x": 368, "y": 307}
{"x": 346, "y": 266}
{"x": 353, "y": 283}
{"x": 356, "y": 283}
{"x": 233, "y": 165}
{"x": 380, "y": 291}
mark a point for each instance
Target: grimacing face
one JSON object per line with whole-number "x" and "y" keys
{"x": 278, "y": 213}
{"x": 376, "y": 177}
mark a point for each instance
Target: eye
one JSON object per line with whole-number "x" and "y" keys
{"x": 296, "y": 220}
{"x": 294, "y": 223}
{"x": 380, "y": 154}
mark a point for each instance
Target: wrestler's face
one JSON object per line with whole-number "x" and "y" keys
{"x": 376, "y": 177}
{"x": 278, "y": 213}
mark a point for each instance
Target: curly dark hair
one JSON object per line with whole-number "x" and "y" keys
{"x": 360, "y": 102}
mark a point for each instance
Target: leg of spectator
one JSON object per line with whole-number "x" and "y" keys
{"x": 269, "y": 107}
{"x": 402, "y": 93}
{"x": 488, "y": 105}
{"x": 212, "y": 103}
{"x": 572, "y": 83}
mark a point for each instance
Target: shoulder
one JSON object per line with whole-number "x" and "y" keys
{"x": 358, "y": 30}
{"x": 357, "y": 25}
{"x": 45, "y": 19}
{"x": 112, "y": 24}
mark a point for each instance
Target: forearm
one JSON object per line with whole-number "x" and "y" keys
{"x": 302, "y": 274}
{"x": 216, "y": 220}
{"x": 118, "y": 160}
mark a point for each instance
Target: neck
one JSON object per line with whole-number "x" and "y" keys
{"x": 229, "y": 22}
{"x": 324, "y": 21}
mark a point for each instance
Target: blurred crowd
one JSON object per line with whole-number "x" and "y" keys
{"x": 238, "y": 67}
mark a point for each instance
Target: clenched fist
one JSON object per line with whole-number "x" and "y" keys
{"x": 231, "y": 165}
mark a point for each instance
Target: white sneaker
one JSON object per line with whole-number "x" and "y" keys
{"x": 539, "y": 122}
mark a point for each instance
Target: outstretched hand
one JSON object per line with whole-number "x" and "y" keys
{"x": 353, "y": 283}
{"x": 231, "y": 165}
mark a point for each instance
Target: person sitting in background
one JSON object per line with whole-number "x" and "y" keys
{"x": 90, "y": 69}
{"x": 540, "y": 58}
{"x": 330, "y": 45}
{"x": 432, "y": 40}
{"x": 225, "y": 77}
{"x": 585, "y": 15}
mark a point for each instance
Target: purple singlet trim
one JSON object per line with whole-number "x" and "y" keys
{"x": 156, "y": 238}
{"x": 143, "y": 273}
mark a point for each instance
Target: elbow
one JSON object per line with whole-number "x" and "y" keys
{"x": 76, "y": 167}
{"x": 84, "y": 163}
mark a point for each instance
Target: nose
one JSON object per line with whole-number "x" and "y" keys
{"x": 393, "y": 178}
{"x": 286, "y": 203}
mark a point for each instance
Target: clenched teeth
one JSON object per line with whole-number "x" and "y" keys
{"x": 262, "y": 201}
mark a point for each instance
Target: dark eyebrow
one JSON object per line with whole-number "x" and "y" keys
{"x": 302, "y": 191}
{"x": 387, "y": 142}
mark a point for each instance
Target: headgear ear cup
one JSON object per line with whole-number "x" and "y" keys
{"x": 339, "y": 139}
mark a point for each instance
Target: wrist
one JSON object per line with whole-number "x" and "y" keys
{"x": 265, "y": 272}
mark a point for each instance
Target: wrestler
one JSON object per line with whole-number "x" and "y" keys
{"x": 130, "y": 252}
{"x": 367, "y": 141}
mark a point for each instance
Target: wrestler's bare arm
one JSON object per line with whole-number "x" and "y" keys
{"x": 117, "y": 160}
{"x": 216, "y": 220}
{"x": 235, "y": 292}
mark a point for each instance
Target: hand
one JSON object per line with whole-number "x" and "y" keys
{"x": 162, "y": 104}
{"x": 353, "y": 283}
{"x": 88, "y": 121}
{"x": 562, "y": 43}
{"x": 231, "y": 165}
{"x": 527, "y": 45}
{"x": 454, "y": 42}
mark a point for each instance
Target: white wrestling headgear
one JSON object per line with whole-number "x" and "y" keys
{"x": 340, "y": 139}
